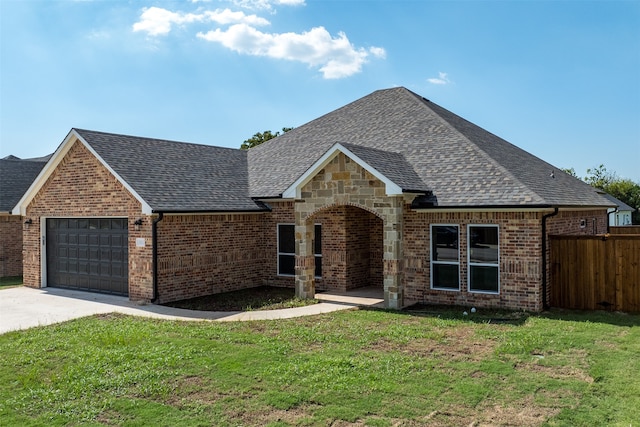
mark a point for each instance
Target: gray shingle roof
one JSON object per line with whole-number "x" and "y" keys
{"x": 622, "y": 206}
{"x": 463, "y": 164}
{"x": 175, "y": 176}
{"x": 16, "y": 176}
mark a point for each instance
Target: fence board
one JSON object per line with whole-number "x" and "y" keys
{"x": 596, "y": 272}
{"x": 625, "y": 229}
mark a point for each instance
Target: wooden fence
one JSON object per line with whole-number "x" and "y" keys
{"x": 596, "y": 272}
{"x": 625, "y": 229}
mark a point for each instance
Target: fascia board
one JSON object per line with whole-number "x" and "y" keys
{"x": 294, "y": 191}
{"x": 52, "y": 164}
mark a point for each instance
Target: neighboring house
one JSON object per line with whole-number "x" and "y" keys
{"x": 391, "y": 191}
{"x": 16, "y": 175}
{"x": 621, "y": 214}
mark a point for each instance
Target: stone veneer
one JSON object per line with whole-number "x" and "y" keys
{"x": 343, "y": 182}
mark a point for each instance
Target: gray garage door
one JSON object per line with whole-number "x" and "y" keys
{"x": 88, "y": 254}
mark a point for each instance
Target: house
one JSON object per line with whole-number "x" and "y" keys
{"x": 16, "y": 175}
{"x": 391, "y": 191}
{"x": 621, "y": 214}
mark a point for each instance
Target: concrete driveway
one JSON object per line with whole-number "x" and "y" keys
{"x": 22, "y": 307}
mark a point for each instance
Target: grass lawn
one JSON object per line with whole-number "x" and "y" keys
{"x": 10, "y": 282}
{"x": 361, "y": 368}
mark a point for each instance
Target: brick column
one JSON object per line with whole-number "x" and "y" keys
{"x": 305, "y": 259}
{"x": 393, "y": 255}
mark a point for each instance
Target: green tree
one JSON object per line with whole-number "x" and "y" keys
{"x": 600, "y": 177}
{"x": 571, "y": 171}
{"x": 260, "y": 137}
{"x": 622, "y": 189}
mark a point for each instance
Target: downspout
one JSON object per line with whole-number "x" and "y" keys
{"x": 545, "y": 304}
{"x": 609, "y": 219}
{"x": 154, "y": 241}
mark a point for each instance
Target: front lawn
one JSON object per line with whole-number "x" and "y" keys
{"x": 10, "y": 281}
{"x": 361, "y": 368}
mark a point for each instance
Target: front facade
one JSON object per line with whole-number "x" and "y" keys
{"x": 352, "y": 215}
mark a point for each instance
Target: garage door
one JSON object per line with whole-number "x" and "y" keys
{"x": 88, "y": 254}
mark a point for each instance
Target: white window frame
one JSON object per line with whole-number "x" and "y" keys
{"x": 479, "y": 264}
{"x": 319, "y": 255}
{"x": 431, "y": 275}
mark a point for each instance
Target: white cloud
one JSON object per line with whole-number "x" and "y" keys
{"x": 266, "y": 4}
{"x": 442, "y": 79}
{"x": 336, "y": 57}
{"x": 156, "y": 21}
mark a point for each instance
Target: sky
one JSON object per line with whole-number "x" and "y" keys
{"x": 559, "y": 79}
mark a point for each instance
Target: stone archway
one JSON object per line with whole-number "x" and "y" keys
{"x": 343, "y": 182}
{"x": 351, "y": 245}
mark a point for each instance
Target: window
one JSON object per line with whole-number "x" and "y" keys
{"x": 445, "y": 257}
{"x": 483, "y": 256}
{"x": 287, "y": 249}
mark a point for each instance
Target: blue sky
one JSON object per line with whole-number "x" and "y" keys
{"x": 560, "y": 79}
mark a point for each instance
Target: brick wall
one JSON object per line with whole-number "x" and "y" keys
{"x": 208, "y": 254}
{"x": 281, "y": 213}
{"x": 351, "y": 247}
{"x": 11, "y": 245}
{"x": 81, "y": 187}
{"x": 519, "y": 250}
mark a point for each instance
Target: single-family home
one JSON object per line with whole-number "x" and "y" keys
{"x": 391, "y": 191}
{"x": 621, "y": 214}
{"x": 16, "y": 175}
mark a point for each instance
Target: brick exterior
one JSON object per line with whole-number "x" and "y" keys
{"x": 81, "y": 187}
{"x": 11, "y": 245}
{"x": 208, "y": 254}
{"x": 368, "y": 238}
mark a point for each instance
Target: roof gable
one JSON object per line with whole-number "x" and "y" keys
{"x": 72, "y": 138}
{"x": 390, "y": 168}
{"x": 163, "y": 175}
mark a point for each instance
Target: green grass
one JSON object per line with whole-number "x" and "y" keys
{"x": 10, "y": 282}
{"x": 363, "y": 367}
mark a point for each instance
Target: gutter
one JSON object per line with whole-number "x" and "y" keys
{"x": 545, "y": 304}
{"x": 154, "y": 241}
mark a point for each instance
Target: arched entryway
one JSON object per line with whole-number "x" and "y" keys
{"x": 351, "y": 247}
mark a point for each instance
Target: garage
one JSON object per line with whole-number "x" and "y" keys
{"x": 88, "y": 254}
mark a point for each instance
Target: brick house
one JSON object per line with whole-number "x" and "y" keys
{"x": 391, "y": 191}
{"x": 16, "y": 175}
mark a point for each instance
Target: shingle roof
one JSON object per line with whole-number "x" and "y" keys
{"x": 463, "y": 164}
{"x": 175, "y": 176}
{"x": 622, "y": 206}
{"x": 16, "y": 176}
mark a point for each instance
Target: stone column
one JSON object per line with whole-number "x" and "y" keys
{"x": 305, "y": 259}
{"x": 393, "y": 255}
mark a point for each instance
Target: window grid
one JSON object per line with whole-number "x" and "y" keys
{"x": 317, "y": 248}
{"x": 449, "y": 236}
{"x": 477, "y": 266}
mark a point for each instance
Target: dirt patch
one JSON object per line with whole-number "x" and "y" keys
{"x": 258, "y": 298}
{"x": 452, "y": 344}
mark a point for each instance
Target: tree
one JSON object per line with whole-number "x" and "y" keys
{"x": 622, "y": 189}
{"x": 600, "y": 178}
{"x": 260, "y": 137}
